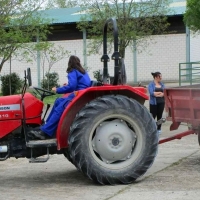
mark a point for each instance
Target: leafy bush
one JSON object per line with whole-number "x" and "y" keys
{"x": 16, "y": 84}
{"x": 50, "y": 80}
{"x": 97, "y": 75}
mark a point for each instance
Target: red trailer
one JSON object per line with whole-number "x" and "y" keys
{"x": 183, "y": 106}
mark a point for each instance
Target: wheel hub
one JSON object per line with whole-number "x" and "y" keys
{"x": 113, "y": 141}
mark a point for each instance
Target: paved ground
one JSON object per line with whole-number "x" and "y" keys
{"x": 174, "y": 175}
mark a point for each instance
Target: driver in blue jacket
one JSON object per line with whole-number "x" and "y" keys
{"x": 78, "y": 79}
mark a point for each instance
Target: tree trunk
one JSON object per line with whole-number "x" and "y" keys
{"x": 122, "y": 48}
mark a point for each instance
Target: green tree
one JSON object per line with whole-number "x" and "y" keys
{"x": 192, "y": 15}
{"x": 50, "y": 80}
{"x": 20, "y": 23}
{"x": 137, "y": 21}
{"x": 50, "y": 54}
{"x": 10, "y": 84}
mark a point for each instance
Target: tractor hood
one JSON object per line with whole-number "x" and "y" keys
{"x": 11, "y": 107}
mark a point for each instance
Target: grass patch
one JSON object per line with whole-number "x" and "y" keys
{"x": 51, "y": 99}
{"x": 46, "y": 100}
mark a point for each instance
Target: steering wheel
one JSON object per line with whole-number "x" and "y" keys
{"x": 43, "y": 93}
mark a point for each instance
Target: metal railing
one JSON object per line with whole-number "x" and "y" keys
{"x": 189, "y": 73}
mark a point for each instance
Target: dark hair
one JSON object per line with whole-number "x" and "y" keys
{"x": 155, "y": 74}
{"x": 74, "y": 63}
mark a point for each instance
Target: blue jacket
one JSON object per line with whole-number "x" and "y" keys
{"x": 151, "y": 89}
{"x": 76, "y": 81}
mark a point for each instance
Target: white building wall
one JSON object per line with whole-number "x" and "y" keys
{"x": 194, "y": 48}
{"x": 164, "y": 55}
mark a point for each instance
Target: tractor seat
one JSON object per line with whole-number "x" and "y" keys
{"x": 96, "y": 83}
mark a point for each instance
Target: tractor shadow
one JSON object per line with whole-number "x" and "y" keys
{"x": 45, "y": 179}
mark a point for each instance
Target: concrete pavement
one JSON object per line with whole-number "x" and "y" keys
{"x": 59, "y": 179}
{"x": 174, "y": 175}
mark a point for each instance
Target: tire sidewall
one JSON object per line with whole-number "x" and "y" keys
{"x": 133, "y": 113}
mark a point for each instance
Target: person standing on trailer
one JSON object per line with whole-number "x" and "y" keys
{"x": 78, "y": 79}
{"x": 156, "y": 101}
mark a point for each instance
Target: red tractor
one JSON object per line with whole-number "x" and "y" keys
{"x": 106, "y": 131}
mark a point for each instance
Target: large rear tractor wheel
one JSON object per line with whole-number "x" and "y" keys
{"x": 113, "y": 140}
{"x": 67, "y": 155}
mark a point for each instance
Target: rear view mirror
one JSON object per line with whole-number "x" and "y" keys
{"x": 29, "y": 76}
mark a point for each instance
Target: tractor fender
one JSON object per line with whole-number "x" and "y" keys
{"x": 82, "y": 97}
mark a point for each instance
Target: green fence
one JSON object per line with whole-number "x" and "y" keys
{"x": 189, "y": 73}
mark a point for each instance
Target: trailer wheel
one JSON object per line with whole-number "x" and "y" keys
{"x": 113, "y": 140}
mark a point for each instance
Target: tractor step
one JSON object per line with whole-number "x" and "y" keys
{"x": 39, "y": 160}
{"x": 41, "y": 143}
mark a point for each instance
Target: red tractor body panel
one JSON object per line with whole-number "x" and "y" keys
{"x": 33, "y": 108}
{"x": 10, "y": 107}
{"x": 85, "y": 96}
{"x": 8, "y": 126}
{"x": 11, "y": 113}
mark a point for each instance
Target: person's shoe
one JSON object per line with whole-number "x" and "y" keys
{"x": 159, "y": 132}
{"x": 37, "y": 134}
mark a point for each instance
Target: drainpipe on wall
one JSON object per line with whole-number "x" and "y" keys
{"x": 84, "y": 49}
{"x": 134, "y": 61}
{"x": 187, "y": 44}
{"x": 188, "y": 66}
{"x": 10, "y": 86}
{"x": 38, "y": 64}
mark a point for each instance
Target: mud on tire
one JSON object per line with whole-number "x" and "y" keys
{"x": 113, "y": 140}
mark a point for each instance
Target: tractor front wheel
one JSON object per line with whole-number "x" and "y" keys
{"x": 113, "y": 140}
